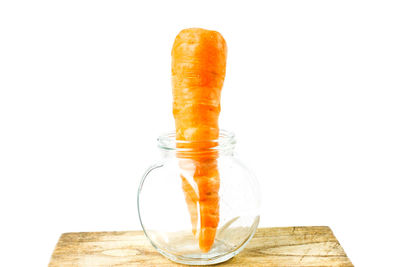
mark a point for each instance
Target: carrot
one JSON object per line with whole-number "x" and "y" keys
{"x": 198, "y": 73}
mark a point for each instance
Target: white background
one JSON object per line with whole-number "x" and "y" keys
{"x": 312, "y": 92}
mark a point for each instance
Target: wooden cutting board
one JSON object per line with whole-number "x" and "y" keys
{"x": 288, "y": 246}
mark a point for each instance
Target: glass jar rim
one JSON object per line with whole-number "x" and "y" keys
{"x": 226, "y": 140}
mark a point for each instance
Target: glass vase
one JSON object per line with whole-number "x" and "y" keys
{"x": 173, "y": 214}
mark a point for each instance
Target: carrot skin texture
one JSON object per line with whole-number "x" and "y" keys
{"x": 198, "y": 73}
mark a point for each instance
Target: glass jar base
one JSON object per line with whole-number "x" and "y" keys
{"x": 214, "y": 256}
{"x": 200, "y": 259}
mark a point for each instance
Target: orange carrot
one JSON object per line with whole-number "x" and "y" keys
{"x": 198, "y": 73}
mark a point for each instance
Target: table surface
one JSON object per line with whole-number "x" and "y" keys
{"x": 283, "y": 246}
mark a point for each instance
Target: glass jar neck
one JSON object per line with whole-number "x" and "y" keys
{"x": 206, "y": 149}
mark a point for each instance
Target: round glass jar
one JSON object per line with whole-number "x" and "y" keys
{"x": 166, "y": 212}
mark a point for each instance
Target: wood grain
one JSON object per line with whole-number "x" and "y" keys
{"x": 288, "y": 246}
